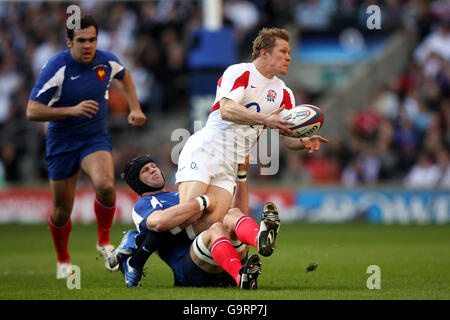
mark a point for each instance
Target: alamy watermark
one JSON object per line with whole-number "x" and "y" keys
{"x": 374, "y": 280}
{"x": 74, "y": 20}
{"x": 374, "y": 20}
{"x": 74, "y": 279}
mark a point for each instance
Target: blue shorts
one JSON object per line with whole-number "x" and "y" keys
{"x": 64, "y": 157}
{"x": 196, "y": 277}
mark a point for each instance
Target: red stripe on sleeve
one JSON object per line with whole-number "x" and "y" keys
{"x": 242, "y": 81}
{"x": 217, "y": 104}
{"x": 286, "y": 100}
{"x": 215, "y": 107}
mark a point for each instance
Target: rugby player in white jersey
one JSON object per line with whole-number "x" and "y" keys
{"x": 249, "y": 98}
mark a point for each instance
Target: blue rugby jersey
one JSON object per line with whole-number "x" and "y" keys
{"x": 146, "y": 205}
{"x": 172, "y": 253}
{"x": 63, "y": 82}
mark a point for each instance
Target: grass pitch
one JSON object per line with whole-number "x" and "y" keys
{"x": 414, "y": 263}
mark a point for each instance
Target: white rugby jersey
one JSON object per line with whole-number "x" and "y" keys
{"x": 244, "y": 84}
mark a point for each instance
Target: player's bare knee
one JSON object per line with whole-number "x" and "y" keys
{"x": 235, "y": 213}
{"x": 106, "y": 192}
{"x": 216, "y": 231}
{"x": 218, "y": 228}
{"x": 61, "y": 214}
{"x": 231, "y": 218}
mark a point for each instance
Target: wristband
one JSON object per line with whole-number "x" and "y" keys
{"x": 242, "y": 176}
{"x": 203, "y": 201}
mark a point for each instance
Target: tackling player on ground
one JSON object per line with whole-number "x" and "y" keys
{"x": 223, "y": 246}
{"x": 71, "y": 93}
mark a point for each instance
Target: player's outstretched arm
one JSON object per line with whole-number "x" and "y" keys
{"x": 126, "y": 85}
{"x": 180, "y": 215}
{"x": 37, "y": 111}
{"x": 234, "y": 112}
{"x": 311, "y": 143}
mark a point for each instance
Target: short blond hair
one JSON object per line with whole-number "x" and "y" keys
{"x": 266, "y": 40}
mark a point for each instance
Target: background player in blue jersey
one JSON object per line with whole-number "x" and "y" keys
{"x": 200, "y": 262}
{"x": 71, "y": 93}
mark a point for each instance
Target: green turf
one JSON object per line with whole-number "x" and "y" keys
{"x": 414, "y": 262}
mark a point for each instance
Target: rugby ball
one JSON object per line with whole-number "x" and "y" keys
{"x": 307, "y": 119}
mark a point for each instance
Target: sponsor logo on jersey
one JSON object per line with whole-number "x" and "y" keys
{"x": 271, "y": 96}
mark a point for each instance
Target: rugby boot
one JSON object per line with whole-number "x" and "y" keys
{"x": 250, "y": 272}
{"x": 132, "y": 275}
{"x": 105, "y": 252}
{"x": 124, "y": 250}
{"x": 63, "y": 270}
{"x": 268, "y": 229}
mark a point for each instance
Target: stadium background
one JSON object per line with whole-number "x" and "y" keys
{"x": 385, "y": 94}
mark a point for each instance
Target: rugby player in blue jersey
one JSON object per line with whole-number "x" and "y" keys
{"x": 71, "y": 93}
{"x": 199, "y": 252}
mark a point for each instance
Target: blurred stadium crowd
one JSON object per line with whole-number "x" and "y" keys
{"x": 401, "y": 136}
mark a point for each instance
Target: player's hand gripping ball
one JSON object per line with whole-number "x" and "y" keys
{"x": 307, "y": 119}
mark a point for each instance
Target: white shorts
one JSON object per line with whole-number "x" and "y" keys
{"x": 199, "y": 161}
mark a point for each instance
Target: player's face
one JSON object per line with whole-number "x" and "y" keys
{"x": 83, "y": 45}
{"x": 151, "y": 175}
{"x": 278, "y": 60}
